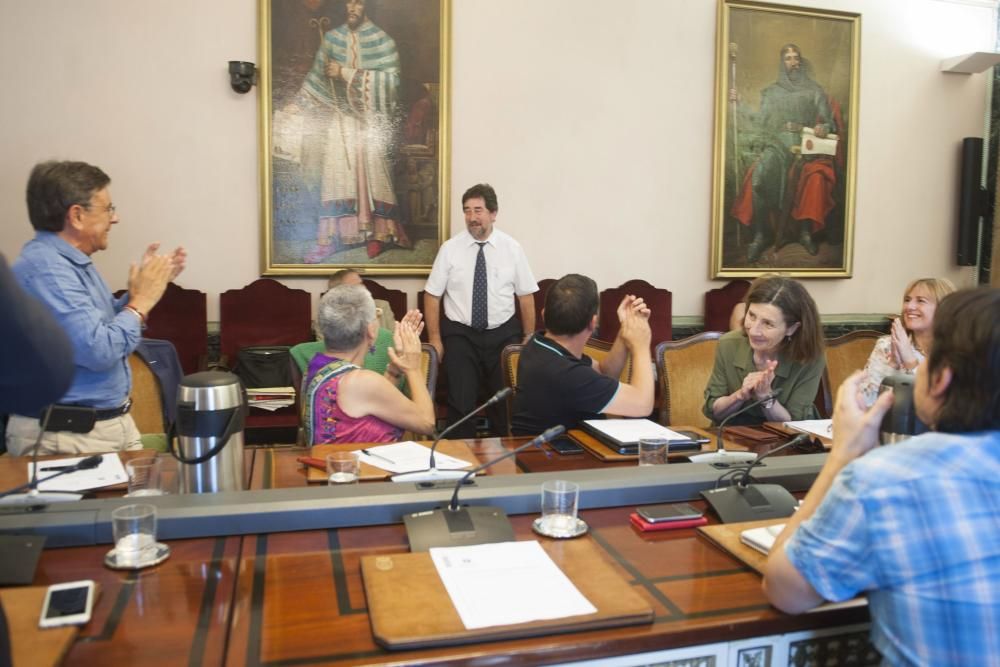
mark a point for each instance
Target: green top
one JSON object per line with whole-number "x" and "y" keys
{"x": 794, "y": 386}
{"x": 376, "y": 360}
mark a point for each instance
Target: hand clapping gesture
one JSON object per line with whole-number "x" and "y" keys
{"x": 757, "y": 385}
{"x": 634, "y": 318}
{"x": 903, "y": 353}
{"x": 405, "y": 351}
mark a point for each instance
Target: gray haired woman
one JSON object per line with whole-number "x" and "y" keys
{"x": 347, "y": 403}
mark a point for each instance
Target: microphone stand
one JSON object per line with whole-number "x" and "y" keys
{"x": 743, "y": 501}
{"x": 459, "y": 526}
{"x": 548, "y": 435}
{"x": 721, "y": 457}
{"x": 745, "y": 478}
{"x": 432, "y": 473}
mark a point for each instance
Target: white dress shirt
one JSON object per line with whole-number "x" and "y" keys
{"x": 507, "y": 275}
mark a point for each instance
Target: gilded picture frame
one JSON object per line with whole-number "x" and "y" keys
{"x": 354, "y": 135}
{"x": 786, "y": 128}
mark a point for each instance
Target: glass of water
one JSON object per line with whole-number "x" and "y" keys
{"x": 343, "y": 467}
{"x": 145, "y": 477}
{"x": 134, "y": 530}
{"x": 653, "y": 451}
{"x": 560, "y": 500}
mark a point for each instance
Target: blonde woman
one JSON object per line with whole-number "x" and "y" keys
{"x": 909, "y": 341}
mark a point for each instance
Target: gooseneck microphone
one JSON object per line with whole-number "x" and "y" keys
{"x": 548, "y": 435}
{"x": 459, "y": 526}
{"x": 720, "y": 456}
{"x": 432, "y": 474}
{"x": 746, "y": 478}
{"x": 743, "y": 501}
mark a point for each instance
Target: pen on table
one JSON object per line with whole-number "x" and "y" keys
{"x": 378, "y": 456}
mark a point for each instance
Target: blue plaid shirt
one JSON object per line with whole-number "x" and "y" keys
{"x": 917, "y": 527}
{"x": 103, "y": 335}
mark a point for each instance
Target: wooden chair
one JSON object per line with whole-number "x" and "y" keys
{"x": 683, "y": 369}
{"x": 658, "y": 299}
{"x": 844, "y": 355}
{"x": 396, "y": 298}
{"x": 510, "y": 356}
{"x": 265, "y": 312}
{"x": 543, "y": 289}
{"x": 181, "y": 317}
{"x": 719, "y": 304}
{"x": 147, "y": 397}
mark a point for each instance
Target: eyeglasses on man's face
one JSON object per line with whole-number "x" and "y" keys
{"x": 109, "y": 209}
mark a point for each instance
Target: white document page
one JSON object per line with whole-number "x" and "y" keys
{"x": 408, "y": 456}
{"x": 507, "y": 583}
{"x": 631, "y": 430}
{"x": 762, "y": 539}
{"x": 820, "y": 427}
{"x": 108, "y": 473}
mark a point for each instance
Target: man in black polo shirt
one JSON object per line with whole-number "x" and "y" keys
{"x": 559, "y": 384}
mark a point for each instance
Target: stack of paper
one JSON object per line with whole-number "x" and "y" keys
{"x": 271, "y": 398}
{"x": 408, "y": 456}
{"x": 821, "y": 427}
{"x": 761, "y": 539}
{"x": 507, "y": 583}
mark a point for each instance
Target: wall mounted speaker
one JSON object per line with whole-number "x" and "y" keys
{"x": 972, "y": 202}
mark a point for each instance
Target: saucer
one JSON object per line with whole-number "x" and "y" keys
{"x": 579, "y": 529}
{"x": 160, "y": 553}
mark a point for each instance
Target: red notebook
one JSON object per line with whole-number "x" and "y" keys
{"x": 644, "y": 525}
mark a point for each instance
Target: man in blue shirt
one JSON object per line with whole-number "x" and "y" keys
{"x": 69, "y": 205}
{"x": 914, "y": 526}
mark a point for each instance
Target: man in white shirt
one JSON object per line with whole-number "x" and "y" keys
{"x": 478, "y": 273}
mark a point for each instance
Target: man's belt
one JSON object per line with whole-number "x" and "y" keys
{"x": 99, "y": 414}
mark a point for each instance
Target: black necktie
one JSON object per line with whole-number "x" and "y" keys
{"x": 479, "y": 318}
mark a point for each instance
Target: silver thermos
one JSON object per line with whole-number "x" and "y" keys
{"x": 901, "y": 421}
{"x": 211, "y": 411}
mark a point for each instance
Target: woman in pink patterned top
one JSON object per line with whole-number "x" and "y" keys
{"x": 909, "y": 341}
{"x": 347, "y": 403}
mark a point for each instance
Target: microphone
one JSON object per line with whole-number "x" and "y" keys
{"x": 722, "y": 458}
{"x": 432, "y": 474}
{"x": 743, "y": 501}
{"x": 746, "y": 478}
{"x": 459, "y": 526}
{"x": 546, "y": 436}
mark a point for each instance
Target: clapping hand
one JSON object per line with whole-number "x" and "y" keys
{"x": 757, "y": 385}
{"x": 178, "y": 258}
{"x": 634, "y": 304}
{"x": 634, "y": 317}
{"x": 414, "y": 319}
{"x": 902, "y": 349}
{"x": 405, "y": 351}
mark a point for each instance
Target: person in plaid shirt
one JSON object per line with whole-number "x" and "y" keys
{"x": 914, "y": 526}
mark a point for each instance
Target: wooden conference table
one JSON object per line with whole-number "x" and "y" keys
{"x": 297, "y": 597}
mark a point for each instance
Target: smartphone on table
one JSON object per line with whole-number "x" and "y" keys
{"x": 68, "y": 604}
{"x": 566, "y": 445}
{"x": 671, "y": 512}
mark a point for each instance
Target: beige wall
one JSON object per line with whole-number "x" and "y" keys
{"x": 592, "y": 119}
